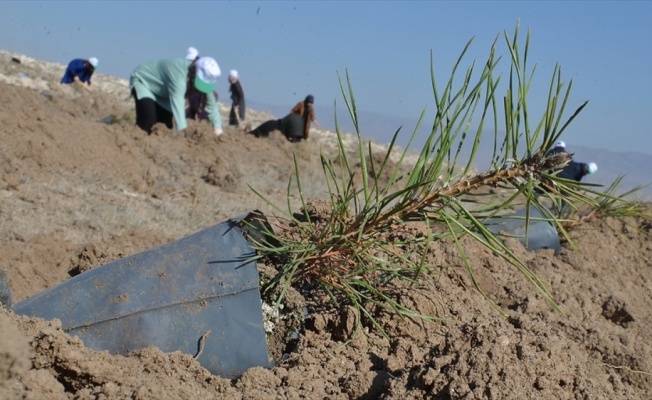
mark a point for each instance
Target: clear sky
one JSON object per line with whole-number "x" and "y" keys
{"x": 285, "y": 50}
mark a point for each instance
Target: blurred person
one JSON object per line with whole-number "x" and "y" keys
{"x": 264, "y": 129}
{"x": 573, "y": 170}
{"x": 197, "y": 105}
{"x": 559, "y": 147}
{"x": 237, "y": 113}
{"x": 160, "y": 89}
{"x": 307, "y": 112}
{"x": 192, "y": 54}
{"x": 295, "y": 126}
{"x": 80, "y": 70}
{"x": 577, "y": 170}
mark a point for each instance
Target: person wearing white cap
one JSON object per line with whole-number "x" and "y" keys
{"x": 80, "y": 70}
{"x": 192, "y": 54}
{"x": 574, "y": 170}
{"x": 160, "y": 87}
{"x": 559, "y": 147}
{"x": 237, "y": 113}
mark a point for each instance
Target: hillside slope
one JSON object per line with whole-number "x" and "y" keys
{"x": 77, "y": 193}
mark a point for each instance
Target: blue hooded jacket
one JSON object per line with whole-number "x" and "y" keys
{"x": 77, "y": 67}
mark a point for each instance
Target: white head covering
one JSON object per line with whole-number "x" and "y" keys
{"x": 560, "y": 143}
{"x": 207, "y": 73}
{"x": 94, "y": 62}
{"x": 191, "y": 53}
{"x": 593, "y": 167}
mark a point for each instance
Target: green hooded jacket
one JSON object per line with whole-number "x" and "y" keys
{"x": 165, "y": 82}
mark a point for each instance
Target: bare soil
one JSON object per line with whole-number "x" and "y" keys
{"x": 77, "y": 192}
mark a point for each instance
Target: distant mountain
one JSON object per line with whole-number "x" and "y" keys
{"x": 636, "y": 166}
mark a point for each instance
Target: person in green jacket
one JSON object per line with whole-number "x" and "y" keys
{"x": 160, "y": 87}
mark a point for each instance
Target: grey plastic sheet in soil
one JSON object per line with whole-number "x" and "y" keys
{"x": 198, "y": 295}
{"x": 540, "y": 234}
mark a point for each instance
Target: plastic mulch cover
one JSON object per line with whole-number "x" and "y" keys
{"x": 540, "y": 234}
{"x": 197, "y": 295}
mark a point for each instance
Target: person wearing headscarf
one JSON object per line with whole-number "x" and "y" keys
{"x": 160, "y": 89}
{"x": 192, "y": 54}
{"x": 80, "y": 70}
{"x": 196, "y": 106}
{"x": 573, "y": 170}
{"x": 306, "y": 110}
{"x": 294, "y": 126}
{"x": 237, "y": 113}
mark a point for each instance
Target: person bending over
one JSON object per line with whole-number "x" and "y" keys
{"x": 160, "y": 89}
{"x": 80, "y": 70}
{"x": 559, "y": 147}
{"x": 306, "y": 110}
{"x": 295, "y": 126}
{"x": 577, "y": 170}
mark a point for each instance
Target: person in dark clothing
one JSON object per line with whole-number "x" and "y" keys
{"x": 264, "y": 129}
{"x": 295, "y": 126}
{"x": 237, "y": 113}
{"x": 307, "y": 112}
{"x": 576, "y": 170}
{"x": 197, "y": 105}
{"x": 291, "y": 126}
{"x": 80, "y": 70}
{"x": 559, "y": 147}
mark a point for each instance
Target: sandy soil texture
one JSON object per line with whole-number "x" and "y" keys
{"x": 77, "y": 192}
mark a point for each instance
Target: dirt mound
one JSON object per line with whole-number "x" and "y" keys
{"x": 78, "y": 192}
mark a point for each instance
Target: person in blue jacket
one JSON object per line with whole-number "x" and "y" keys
{"x": 160, "y": 89}
{"x": 80, "y": 70}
